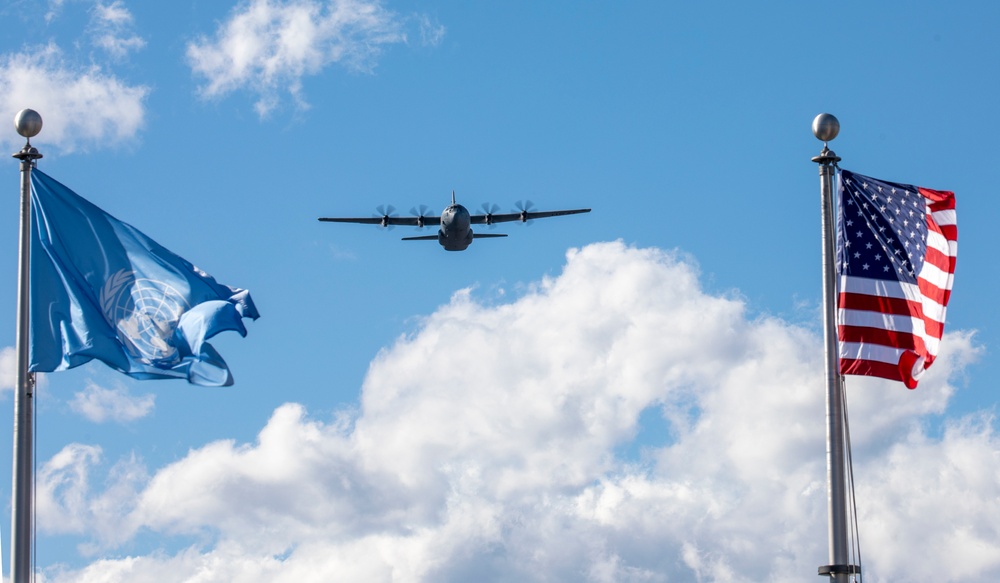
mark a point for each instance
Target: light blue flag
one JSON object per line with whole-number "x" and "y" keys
{"x": 102, "y": 289}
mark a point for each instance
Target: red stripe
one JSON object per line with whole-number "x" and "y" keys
{"x": 933, "y": 292}
{"x": 938, "y": 259}
{"x": 882, "y": 305}
{"x": 870, "y": 368}
{"x": 934, "y": 328}
{"x": 933, "y": 226}
{"x": 950, "y": 232}
{"x": 941, "y": 199}
{"x": 881, "y": 337}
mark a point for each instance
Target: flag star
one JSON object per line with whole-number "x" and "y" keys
{"x": 878, "y": 257}
{"x": 868, "y": 245}
{"x": 850, "y": 223}
{"x": 857, "y": 255}
{"x": 865, "y": 267}
{"x": 885, "y": 269}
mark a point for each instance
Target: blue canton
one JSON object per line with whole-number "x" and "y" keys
{"x": 882, "y": 231}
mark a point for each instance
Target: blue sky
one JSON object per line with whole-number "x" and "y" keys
{"x": 628, "y": 395}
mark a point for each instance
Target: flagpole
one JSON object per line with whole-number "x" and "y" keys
{"x": 28, "y": 124}
{"x": 826, "y": 127}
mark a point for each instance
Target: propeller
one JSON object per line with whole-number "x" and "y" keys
{"x": 525, "y": 207}
{"x": 386, "y": 212}
{"x": 490, "y": 210}
{"x": 422, "y": 213}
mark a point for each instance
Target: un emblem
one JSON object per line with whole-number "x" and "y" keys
{"x": 144, "y": 313}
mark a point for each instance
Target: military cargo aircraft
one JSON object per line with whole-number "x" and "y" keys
{"x": 455, "y": 232}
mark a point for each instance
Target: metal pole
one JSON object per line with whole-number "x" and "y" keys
{"x": 28, "y": 124}
{"x": 826, "y": 127}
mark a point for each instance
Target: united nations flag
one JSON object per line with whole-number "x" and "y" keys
{"x": 102, "y": 289}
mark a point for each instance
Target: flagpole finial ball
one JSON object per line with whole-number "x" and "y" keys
{"x": 826, "y": 127}
{"x": 28, "y": 123}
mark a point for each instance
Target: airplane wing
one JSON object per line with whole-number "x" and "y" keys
{"x": 385, "y": 221}
{"x": 523, "y": 216}
{"x": 435, "y": 237}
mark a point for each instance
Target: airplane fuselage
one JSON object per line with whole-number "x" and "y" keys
{"x": 456, "y": 228}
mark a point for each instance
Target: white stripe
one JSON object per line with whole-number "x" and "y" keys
{"x": 900, "y": 324}
{"x": 861, "y": 351}
{"x": 853, "y": 284}
{"x": 880, "y": 321}
{"x": 934, "y": 275}
{"x": 933, "y": 310}
{"x": 947, "y": 217}
{"x": 893, "y": 289}
{"x": 882, "y": 353}
{"x": 937, "y": 241}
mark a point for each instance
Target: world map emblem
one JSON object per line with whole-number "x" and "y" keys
{"x": 144, "y": 313}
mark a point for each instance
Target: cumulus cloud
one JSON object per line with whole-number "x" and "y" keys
{"x": 100, "y": 405}
{"x": 80, "y": 108}
{"x": 505, "y": 464}
{"x": 268, "y": 46}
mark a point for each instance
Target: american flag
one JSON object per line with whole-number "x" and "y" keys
{"x": 896, "y": 250}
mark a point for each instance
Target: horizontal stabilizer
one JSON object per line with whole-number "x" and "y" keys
{"x": 486, "y": 235}
{"x": 422, "y": 238}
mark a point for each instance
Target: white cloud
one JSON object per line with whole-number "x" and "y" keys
{"x": 111, "y": 28}
{"x": 431, "y": 31}
{"x": 66, "y": 503}
{"x": 80, "y": 108}
{"x": 55, "y": 8}
{"x": 8, "y": 368}
{"x": 268, "y": 46}
{"x": 501, "y": 463}
{"x": 100, "y": 405}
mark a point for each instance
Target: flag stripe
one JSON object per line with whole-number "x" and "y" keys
{"x": 856, "y": 335}
{"x": 871, "y": 368}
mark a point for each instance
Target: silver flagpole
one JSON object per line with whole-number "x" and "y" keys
{"x": 826, "y": 127}
{"x": 28, "y": 124}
